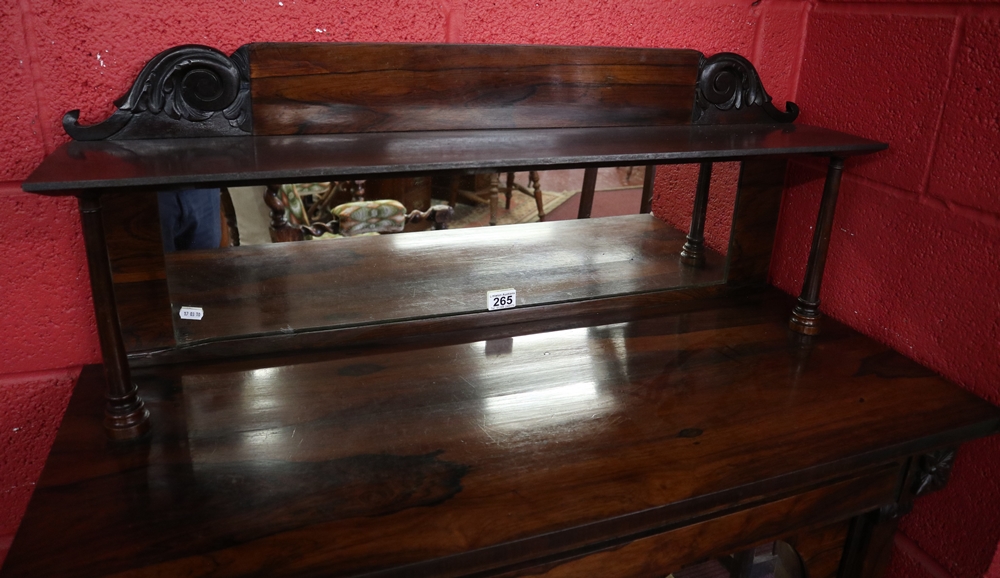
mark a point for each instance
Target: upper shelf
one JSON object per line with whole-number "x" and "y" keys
{"x": 291, "y": 112}
{"x": 244, "y": 160}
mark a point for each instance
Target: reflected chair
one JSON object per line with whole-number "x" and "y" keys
{"x": 484, "y": 189}
{"x": 325, "y": 196}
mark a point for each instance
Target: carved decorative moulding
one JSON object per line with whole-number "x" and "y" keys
{"x": 931, "y": 474}
{"x": 729, "y": 90}
{"x": 185, "y": 91}
{"x": 935, "y": 469}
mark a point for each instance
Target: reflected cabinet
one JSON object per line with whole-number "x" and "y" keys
{"x": 293, "y": 251}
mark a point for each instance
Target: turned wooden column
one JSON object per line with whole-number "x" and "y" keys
{"x": 693, "y": 251}
{"x": 806, "y": 315}
{"x": 587, "y": 193}
{"x": 124, "y": 414}
{"x": 646, "y": 206}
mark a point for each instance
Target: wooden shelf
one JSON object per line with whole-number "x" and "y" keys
{"x": 278, "y": 288}
{"x": 443, "y": 459}
{"x": 349, "y": 408}
{"x": 257, "y": 159}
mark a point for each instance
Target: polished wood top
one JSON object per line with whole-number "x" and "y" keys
{"x": 182, "y": 162}
{"x": 446, "y": 459}
{"x": 281, "y": 287}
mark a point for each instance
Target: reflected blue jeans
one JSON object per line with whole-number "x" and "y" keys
{"x": 190, "y": 219}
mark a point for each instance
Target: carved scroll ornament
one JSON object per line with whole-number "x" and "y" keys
{"x": 188, "y": 90}
{"x": 728, "y": 82}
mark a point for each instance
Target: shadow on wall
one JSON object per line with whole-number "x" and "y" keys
{"x": 33, "y": 405}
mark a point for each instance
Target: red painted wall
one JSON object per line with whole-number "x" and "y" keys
{"x": 911, "y": 260}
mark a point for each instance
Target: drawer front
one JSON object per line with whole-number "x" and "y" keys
{"x": 668, "y": 551}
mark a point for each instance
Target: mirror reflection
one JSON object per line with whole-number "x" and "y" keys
{"x": 190, "y": 219}
{"x": 287, "y": 258}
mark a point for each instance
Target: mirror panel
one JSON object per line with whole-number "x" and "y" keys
{"x": 299, "y": 257}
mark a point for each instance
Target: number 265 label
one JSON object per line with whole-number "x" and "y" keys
{"x": 501, "y": 299}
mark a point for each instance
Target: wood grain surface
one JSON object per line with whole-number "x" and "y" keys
{"x": 821, "y": 549}
{"x": 135, "y": 252}
{"x": 286, "y": 287}
{"x": 320, "y": 88}
{"x": 456, "y": 458}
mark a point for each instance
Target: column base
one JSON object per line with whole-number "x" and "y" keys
{"x": 692, "y": 255}
{"x": 126, "y": 423}
{"x": 805, "y": 322}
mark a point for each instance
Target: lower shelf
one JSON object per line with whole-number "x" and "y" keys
{"x": 286, "y": 287}
{"x": 448, "y": 459}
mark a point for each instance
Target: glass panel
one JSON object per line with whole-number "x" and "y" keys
{"x": 259, "y": 260}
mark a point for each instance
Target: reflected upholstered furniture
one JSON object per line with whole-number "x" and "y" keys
{"x": 290, "y": 220}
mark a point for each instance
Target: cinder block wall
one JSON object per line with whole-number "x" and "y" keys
{"x": 912, "y": 262}
{"x": 914, "y": 259}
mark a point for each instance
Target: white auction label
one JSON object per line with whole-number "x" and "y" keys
{"x": 195, "y": 313}
{"x": 501, "y": 299}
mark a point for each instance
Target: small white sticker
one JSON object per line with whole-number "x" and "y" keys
{"x": 195, "y": 313}
{"x": 501, "y": 299}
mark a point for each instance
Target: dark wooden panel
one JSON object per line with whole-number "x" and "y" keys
{"x": 135, "y": 250}
{"x": 132, "y": 226}
{"x": 755, "y": 219}
{"x": 659, "y": 554}
{"x": 870, "y": 540}
{"x": 323, "y": 88}
{"x": 821, "y": 549}
{"x": 473, "y": 456}
{"x": 273, "y": 289}
{"x": 144, "y": 313}
{"x": 254, "y": 160}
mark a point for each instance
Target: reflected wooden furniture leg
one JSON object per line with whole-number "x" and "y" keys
{"x": 646, "y": 206}
{"x": 587, "y": 194}
{"x": 125, "y": 417}
{"x": 693, "y": 251}
{"x": 282, "y": 230}
{"x": 494, "y": 193}
{"x": 806, "y": 315}
{"x": 535, "y": 191}
{"x": 509, "y": 191}
{"x": 536, "y": 187}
